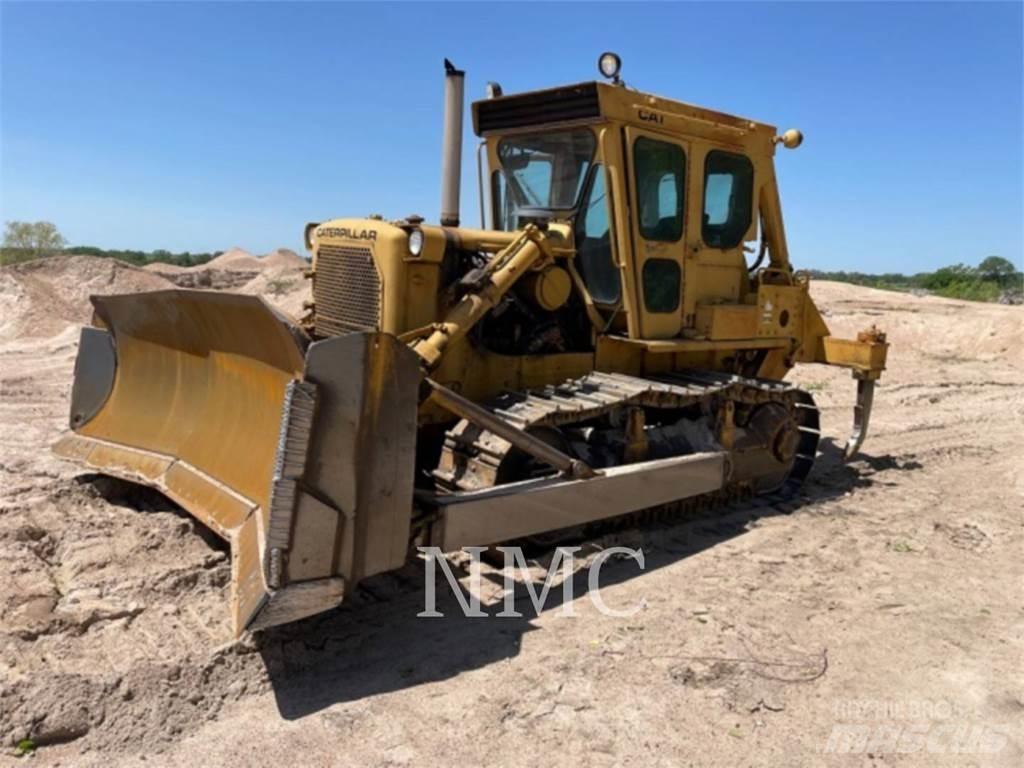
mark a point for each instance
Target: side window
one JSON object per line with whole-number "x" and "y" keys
{"x": 593, "y": 243}
{"x": 661, "y": 280}
{"x": 728, "y": 198}
{"x": 660, "y": 178}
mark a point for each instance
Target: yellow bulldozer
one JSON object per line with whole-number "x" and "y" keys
{"x": 611, "y": 340}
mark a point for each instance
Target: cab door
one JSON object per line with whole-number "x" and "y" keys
{"x": 724, "y": 218}
{"x": 657, "y": 169}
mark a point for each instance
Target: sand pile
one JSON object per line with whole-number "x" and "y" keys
{"x": 232, "y": 270}
{"x": 161, "y": 267}
{"x": 281, "y": 282}
{"x": 41, "y": 297}
{"x": 948, "y": 328}
{"x": 284, "y": 258}
{"x": 285, "y": 288}
{"x": 236, "y": 259}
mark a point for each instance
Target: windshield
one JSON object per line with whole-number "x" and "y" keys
{"x": 541, "y": 170}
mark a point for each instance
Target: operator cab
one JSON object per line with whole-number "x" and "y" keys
{"x": 662, "y": 196}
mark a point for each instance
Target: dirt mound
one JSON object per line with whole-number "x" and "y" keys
{"x": 285, "y": 287}
{"x": 235, "y": 258}
{"x": 41, "y": 297}
{"x": 281, "y": 258}
{"x": 204, "y": 276}
{"x": 943, "y": 329}
{"x": 234, "y": 269}
{"x": 161, "y": 267}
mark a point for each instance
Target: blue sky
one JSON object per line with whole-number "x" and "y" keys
{"x": 201, "y": 126}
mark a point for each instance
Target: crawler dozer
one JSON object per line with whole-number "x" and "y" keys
{"x": 612, "y": 340}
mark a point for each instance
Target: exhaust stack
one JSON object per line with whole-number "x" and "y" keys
{"x": 451, "y": 146}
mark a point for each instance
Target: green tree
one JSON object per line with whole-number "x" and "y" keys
{"x": 998, "y": 270}
{"x": 31, "y": 240}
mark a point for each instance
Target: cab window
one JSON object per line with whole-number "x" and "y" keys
{"x": 661, "y": 279}
{"x": 593, "y": 243}
{"x": 542, "y": 171}
{"x": 660, "y": 173}
{"x": 728, "y": 198}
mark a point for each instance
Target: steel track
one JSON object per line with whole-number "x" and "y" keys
{"x": 472, "y": 456}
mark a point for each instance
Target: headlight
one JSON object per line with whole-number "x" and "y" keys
{"x": 416, "y": 242}
{"x": 609, "y": 64}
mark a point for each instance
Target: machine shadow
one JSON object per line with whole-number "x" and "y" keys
{"x": 378, "y": 644}
{"x": 832, "y": 476}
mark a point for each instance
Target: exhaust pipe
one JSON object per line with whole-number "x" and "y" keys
{"x": 451, "y": 146}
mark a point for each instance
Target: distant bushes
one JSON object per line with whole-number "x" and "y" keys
{"x": 995, "y": 279}
{"x": 24, "y": 240}
{"x": 141, "y": 258}
{"x": 138, "y": 258}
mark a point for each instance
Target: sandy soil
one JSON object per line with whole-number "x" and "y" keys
{"x": 887, "y": 598}
{"x": 235, "y": 269}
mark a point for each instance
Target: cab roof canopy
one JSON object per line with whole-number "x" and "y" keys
{"x": 595, "y": 102}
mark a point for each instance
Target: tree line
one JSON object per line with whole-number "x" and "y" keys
{"x": 994, "y": 279}
{"x": 25, "y": 240}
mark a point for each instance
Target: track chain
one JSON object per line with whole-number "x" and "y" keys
{"x": 472, "y": 456}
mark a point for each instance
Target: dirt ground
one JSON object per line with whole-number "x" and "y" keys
{"x": 878, "y": 621}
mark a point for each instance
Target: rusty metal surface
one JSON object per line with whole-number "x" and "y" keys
{"x": 472, "y": 456}
{"x": 484, "y": 419}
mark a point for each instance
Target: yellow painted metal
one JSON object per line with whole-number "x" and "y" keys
{"x": 510, "y": 264}
{"x": 195, "y": 411}
{"x": 767, "y": 316}
{"x": 652, "y": 325}
{"x": 727, "y": 321}
{"x": 194, "y": 368}
{"x": 675, "y": 346}
{"x": 549, "y": 288}
{"x": 866, "y": 356}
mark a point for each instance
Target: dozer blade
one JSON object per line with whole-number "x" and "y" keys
{"x": 299, "y": 455}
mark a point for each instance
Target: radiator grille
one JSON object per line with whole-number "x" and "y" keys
{"x": 346, "y": 289}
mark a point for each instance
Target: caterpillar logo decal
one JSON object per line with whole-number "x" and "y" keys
{"x": 345, "y": 232}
